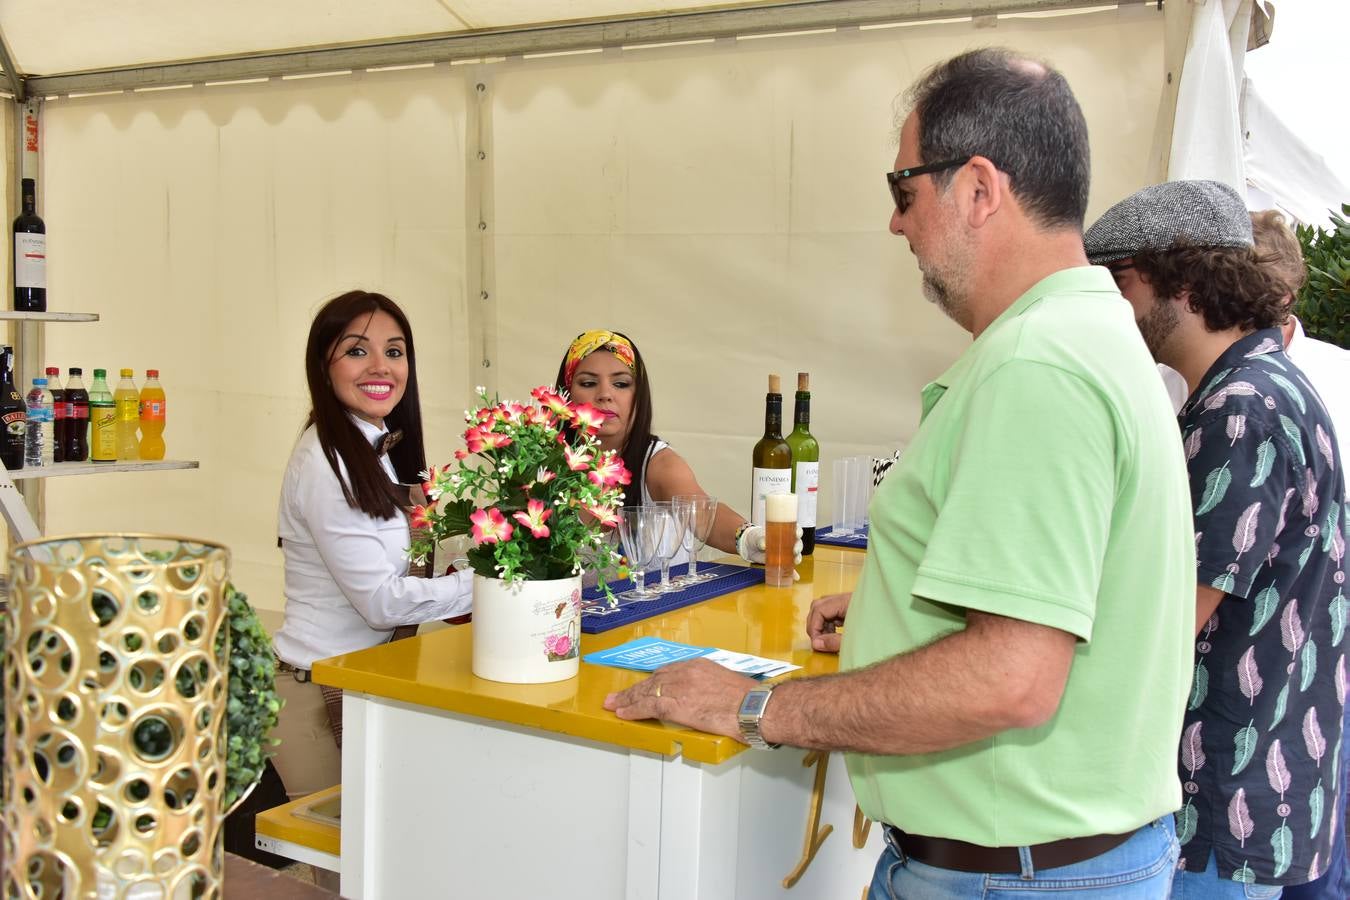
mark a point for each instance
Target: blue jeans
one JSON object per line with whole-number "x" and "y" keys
{"x": 1139, "y": 869}
{"x": 1207, "y": 885}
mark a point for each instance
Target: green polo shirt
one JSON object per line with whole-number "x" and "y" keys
{"x": 1046, "y": 483}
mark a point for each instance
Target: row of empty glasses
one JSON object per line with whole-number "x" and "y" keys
{"x": 852, "y": 492}
{"x": 657, "y": 532}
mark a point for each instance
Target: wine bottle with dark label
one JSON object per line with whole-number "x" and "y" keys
{"x": 772, "y": 457}
{"x": 805, "y": 463}
{"x": 30, "y": 254}
{"x": 13, "y": 414}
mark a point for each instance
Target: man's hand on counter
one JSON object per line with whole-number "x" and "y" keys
{"x": 823, "y": 622}
{"x": 696, "y": 693}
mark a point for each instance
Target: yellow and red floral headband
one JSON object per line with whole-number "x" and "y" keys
{"x": 591, "y": 341}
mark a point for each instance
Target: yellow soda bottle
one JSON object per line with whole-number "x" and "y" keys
{"x": 152, "y": 409}
{"x": 128, "y": 402}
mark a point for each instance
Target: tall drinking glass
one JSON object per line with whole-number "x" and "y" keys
{"x": 640, "y": 529}
{"x": 702, "y": 512}
{"x": 844, "y": 496}
{"x": 672, "y": 540}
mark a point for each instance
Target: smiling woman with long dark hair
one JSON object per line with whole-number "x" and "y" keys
{"x": 343, "y": 522}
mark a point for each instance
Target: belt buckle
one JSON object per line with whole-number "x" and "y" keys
{"x": 890, "y": 834}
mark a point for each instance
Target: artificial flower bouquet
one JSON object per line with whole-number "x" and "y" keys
{"x": 531, "y": 487}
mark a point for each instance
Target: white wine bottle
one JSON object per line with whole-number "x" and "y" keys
{"x": 772, "y": 457}
{"x": 805, "y": 463}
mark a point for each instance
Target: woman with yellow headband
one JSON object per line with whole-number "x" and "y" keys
{"x": 605, "y": 369}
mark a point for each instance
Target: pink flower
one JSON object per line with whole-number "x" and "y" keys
{"x": 534, "y": 517}
{"x": 605, "y": 515}
{"x": 553, "y": 400}
{"x": 480, "y": 439}
{"x": 558, "y": 644}
{"x": 587, "y": 417}
{"x": 578, "y": 459}
{"x": 609, "y": 472}
{"x": 461, "y": 454}
{"x": 544, "y": 476}
{"x": 489, "y": 527}
{"x": 420, "y": 517}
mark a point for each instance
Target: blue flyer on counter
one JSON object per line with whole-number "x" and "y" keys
{"x": 647, "y": 654}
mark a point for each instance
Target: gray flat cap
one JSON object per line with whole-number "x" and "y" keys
{"x": 1205, "y": 213}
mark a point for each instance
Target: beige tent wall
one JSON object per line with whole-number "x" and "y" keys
{"x": 723, "y": 203}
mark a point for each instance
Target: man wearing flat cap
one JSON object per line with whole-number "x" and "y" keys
{"x": 1262, "y": 729}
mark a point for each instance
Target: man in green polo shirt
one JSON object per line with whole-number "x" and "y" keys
{"x": 1017, "y": 660}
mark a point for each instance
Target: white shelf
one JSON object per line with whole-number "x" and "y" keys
{"x": 56, "y": 470}
{"x": 47, "y": 316}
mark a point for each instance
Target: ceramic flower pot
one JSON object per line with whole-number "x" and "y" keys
{"x": 528, "y": 632}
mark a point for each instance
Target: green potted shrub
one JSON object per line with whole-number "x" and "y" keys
{"x": 1323, "y": 305}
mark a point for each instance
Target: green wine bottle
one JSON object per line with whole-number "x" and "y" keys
{"x": 772, "y": 457}
{"x": 805, "y": 463}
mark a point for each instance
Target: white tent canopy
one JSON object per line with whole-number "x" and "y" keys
{"x": 709, "y": 189}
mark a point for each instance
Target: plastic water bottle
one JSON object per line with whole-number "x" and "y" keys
{"x": 39, "y": 441}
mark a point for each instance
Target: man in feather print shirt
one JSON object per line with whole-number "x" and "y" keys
{"x": 1262, "y": 733}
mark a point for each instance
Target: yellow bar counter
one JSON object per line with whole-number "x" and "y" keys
{"x": 454, "y": 786}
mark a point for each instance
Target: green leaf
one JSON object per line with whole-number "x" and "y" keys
{"x": 1216, "y": 486}
{"x": 1199, "y": 686}
{"x": 1293, "y": 392}
{"x": 1315, "y": 802}
{"x": 1266, "y": 603}
{"x": 1244, "y": 745}
{"x": 1187, "y": 820}
{"x": 1282, "y": 843}
{"x": 1308, "y": 664}
{"x": 1265, "y": 460}
{"x": 1280, "y": 703}
{"x": 1338, "y": 611}
{"x": 1295, "y": 438}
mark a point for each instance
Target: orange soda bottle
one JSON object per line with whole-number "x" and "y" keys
{"x": 152, "y": 417}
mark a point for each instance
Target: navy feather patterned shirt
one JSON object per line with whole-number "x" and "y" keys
{"x": 1262, "y": 731}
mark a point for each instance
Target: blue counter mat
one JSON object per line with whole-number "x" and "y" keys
{"x": 598, "y": 616}
{"x": 857, "y": 539}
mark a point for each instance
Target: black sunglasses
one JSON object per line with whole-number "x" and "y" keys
{"x": 901, "y": 198}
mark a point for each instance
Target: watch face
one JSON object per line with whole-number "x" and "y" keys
{"x": 753, "y": 704}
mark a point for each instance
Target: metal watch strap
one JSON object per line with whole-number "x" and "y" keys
{"x": 748, "y": 720}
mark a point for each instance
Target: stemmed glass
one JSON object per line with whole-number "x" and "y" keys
{"x": 672, "y": 541}
{"x": 640, "y": 529}
{"x": 702, "y": 513}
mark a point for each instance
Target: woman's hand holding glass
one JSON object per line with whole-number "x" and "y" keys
{"x": 641, "y": 529}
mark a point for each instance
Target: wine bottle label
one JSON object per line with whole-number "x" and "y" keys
{"x": 808, "y": 484}
{"x": 763, "y": 483}
{"x": 30, "y": 260}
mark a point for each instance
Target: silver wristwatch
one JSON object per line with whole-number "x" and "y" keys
{"x": 754, "y": 703}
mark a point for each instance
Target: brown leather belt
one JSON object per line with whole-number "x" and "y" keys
{"x": 945, "y": 853}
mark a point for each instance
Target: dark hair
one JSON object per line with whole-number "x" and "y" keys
{"x": 639, "y": 438}
{"x": 1279, "y": 249}
{"x": 1230, "y": 287}
{"x": 367, "y": 486}
{"x": 1017, "y": 113}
